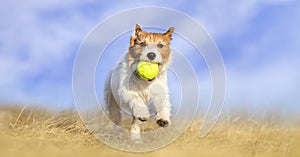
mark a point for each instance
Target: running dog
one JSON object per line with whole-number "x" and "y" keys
{"x": 127, "y": 91}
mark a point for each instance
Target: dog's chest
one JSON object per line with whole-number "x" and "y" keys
{"x": 140, "y": 88}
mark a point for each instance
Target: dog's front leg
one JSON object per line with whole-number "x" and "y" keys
{"x": 161, "y": 102}
{"x": 163, "y": 115}
{"x": 140, "y": 111}
{"x": 136, "y": 105}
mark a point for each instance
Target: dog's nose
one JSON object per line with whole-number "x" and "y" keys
{"x": 151, "y": 55}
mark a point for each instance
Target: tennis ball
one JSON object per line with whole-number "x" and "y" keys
{"x": 147, "y": 70}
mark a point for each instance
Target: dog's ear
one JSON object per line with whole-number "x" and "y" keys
{"x": 132, "y": 39}
{"x": 138, "y": 30}
{"x": 169, "y": 32}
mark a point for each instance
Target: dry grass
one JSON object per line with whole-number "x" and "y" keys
{"x": 33, "y": 132}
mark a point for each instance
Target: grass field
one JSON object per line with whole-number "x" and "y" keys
{"x": 32, "y": 132}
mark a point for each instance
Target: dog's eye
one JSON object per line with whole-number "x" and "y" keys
{"x": 143, "y": 44}
{"x": 160, "y": 45}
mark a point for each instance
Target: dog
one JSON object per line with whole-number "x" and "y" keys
{"x": 126, "y": 91}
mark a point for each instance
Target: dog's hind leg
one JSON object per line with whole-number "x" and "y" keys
{"x": 135, "y": 131}
{"x": 114, "y": 111}
{"x": 111, "y": 104}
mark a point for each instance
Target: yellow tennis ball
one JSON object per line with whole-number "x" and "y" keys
{"x": 147, "y": 70}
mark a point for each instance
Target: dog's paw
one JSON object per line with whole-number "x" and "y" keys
{"x": 162, "y": 122}
{"x": 136, "y": 137}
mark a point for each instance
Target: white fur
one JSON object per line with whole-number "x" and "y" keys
{"x": 128, "y": 92}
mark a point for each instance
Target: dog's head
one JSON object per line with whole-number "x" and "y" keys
{"x": 148, "y": 46}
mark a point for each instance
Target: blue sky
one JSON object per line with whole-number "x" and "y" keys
{"x": 258, "y": 40}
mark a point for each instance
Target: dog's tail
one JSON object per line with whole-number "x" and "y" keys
{"x": 111, "y": 104}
